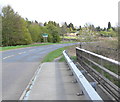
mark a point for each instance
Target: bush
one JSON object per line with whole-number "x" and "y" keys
{"x": 109, "y": 33}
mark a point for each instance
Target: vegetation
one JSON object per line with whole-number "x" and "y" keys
{"x": 54, "y": 54}
{"x": 14, "y": 31}
{"x": 109, "y": 33}
{"x": 22, "y": 46}
{"x": 106, "y": 47}
{"x": 100, "y": 48}
{"x": 18, "y": 31}
{"x": 62, "y": 59}
{"x": 90, "y": 33}
{"x": 69, "y": 37}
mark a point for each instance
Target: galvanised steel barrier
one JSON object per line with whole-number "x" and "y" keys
{"x": 104, "y": 70}
{"x": 85, "y": 86}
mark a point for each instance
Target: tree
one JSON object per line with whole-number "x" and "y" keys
{"x": 25, "y": 35}
{"x": 98, "y": 28}
{"x": 63, "y": 30}
{"x": 65, "y": 24}
{"x": 45, "y": 23}
{"x": 35, "y": 32}
{"x": 80, "y": 28}
{"x": 104, "y": 29}
{"x": 15, "y": 30}
{"x": 71, "y": 26}
{"x": 109, "y": 25}
{"x": 53, "y": 32}
{"x": 109, "y": 33}
{"x": 36, "y": 21}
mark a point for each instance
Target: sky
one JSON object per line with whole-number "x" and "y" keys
{"x": 78, "y": 12}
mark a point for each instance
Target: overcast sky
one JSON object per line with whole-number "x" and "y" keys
{"x": 79, "y": 12}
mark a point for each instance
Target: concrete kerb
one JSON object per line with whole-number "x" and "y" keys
{"x": 30, "y": 84}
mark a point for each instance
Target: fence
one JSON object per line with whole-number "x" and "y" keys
{"x": 103, "y": 69}
{"x": 87, "y": 89}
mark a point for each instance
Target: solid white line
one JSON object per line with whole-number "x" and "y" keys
{"x": 8, "y": 56}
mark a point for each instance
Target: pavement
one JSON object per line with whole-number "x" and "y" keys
{"x": 19, "y": 66}
{"x": 54, "y": 82}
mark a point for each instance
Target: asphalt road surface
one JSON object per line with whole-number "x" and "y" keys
{"x": 19, "y": 66}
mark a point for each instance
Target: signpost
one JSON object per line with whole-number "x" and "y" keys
{"x": 45, "y": 36}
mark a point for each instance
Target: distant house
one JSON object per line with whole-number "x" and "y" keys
{"x": 72, "y": 34}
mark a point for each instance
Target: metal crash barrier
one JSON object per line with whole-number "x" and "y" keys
{"x": 86, "y": 87}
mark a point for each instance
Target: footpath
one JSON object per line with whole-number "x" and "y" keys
{"x": 54, "y": 82}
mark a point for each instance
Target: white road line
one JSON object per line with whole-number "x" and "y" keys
{"x": 8, "y": 56}
{"x": 21, "y": 52}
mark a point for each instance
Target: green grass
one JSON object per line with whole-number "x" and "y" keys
{"x": 73, "y": 58}
{"x": 107, "y": 65}
{"x": 32, "y": 45}
{"x": 54, "y": 54}
{"x": 62, "y": 59}
{"x": 22, "y": 46}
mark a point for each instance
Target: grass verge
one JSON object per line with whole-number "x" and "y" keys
{"x": 62, "y": 59}
{"x": 54, "y": 54}
{"x": 32, "y": 45}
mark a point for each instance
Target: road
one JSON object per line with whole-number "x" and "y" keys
{"x": 19, "y": 66}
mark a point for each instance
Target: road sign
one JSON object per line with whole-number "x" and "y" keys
{"x": 45, "y": 35}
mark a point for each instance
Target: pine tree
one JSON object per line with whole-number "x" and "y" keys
{"x": 45, "y": 23}
{"x": 109, "y": 25}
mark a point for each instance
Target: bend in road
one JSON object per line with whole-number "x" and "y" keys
{"x": 18, "y": 67}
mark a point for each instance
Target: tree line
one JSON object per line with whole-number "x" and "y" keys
{"x": 19, "y": 31}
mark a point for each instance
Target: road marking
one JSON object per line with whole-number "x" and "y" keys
{"x": 8, "y": 56}
{"x": 21, "y": 52}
